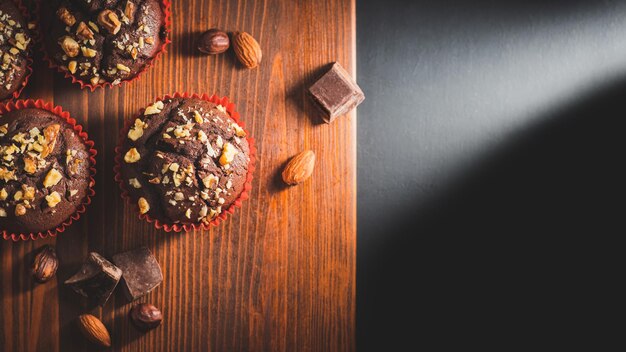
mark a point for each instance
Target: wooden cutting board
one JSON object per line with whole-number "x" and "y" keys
{"x": 279, "y": 275}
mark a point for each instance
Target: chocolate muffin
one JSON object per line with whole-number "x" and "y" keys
{"x": 99, "y": 41}
{"x": 44, "y": 171}
{"x": 15, "y": 43}
{"x": 184, "y": 161}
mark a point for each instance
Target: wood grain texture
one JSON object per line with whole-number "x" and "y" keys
{"x": 279, "y": 275}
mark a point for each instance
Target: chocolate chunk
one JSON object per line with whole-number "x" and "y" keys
{"x": 142, "y": 272}
{"x": 96, "y": 280}
{"x": 336, "y": 93}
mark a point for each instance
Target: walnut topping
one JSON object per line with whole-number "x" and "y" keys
{"x": 178, "y": 196}
{"x": 3, "y": 194}
{"x": 50, "y": 134}
{"x": 129, "y": 11}
{"x": 228, "y": 154}
{"x": 134, "y": 53}
{"x": 4, "y": 129}
{"x": 155, "y": 180}
{"x": 88, "y": 52}
{"x": 83, "y": 31}
{"x": 20, "y": 210}
{"x": 134, "y": 182}
{"x": 144, "y": 207}
{"x": 221, "y": 108}
{"x": 188, "y": 213}
{"x": 202, "y": 136}
{"x": 73, "y": 192}
{"x": 154, "y": 108}
{"x": 132, "y": 156}
{"x": 197, "y": 117}
{"x": 28, "y": 193}
{"x": 239, "y": 132}
{"x": 149, "y": 40}
{"x": 94, "y": 27}
{"x": 210, "y": 181}
{"x": 123, "y": 68}
{"x": 71, "y": 66}
{"x": 137, "y": 130}
{"x": 95, "y": 80}
{"x": 108, "y": 19}
{"x": 30, "y": 165}
{"x": 69, "y": 46}
{"x": 53, "y": 199}
{"x": 3, "y": 213}
{"x": 65, "y": 16}
{"x": 52, "y": 178}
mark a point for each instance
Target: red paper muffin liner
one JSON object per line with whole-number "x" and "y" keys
{"x": 230, "y": 107}
{"x": 165, "y": 6}
{"x": 29, "y": 59}
{"x": 57, "y": 110}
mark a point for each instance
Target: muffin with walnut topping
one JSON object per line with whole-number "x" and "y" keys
{"x": 184, "y": 161}
{"x": 102, "y": 41}
{"x": 15, "y": 43}
{"x": 44, "y": 171}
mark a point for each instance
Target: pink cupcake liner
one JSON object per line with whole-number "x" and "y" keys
{"x": 165, "y": 6}
{"x": 57, "y": 110}
{"x": 230, "y": 107}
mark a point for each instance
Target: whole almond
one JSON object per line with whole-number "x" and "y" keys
{"x": 45, "y": 264}
{"x": 247, "y": 49}
{"x": 94, "y": 330}
{"x": 299, "y": 168}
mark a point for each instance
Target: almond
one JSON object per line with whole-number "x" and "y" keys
{"x": 94, "y": 330}
{"x": 299, "y": 168}
{"x": 247, "y": 49}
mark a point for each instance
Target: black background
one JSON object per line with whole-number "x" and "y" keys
{"x": 490, "y": 198}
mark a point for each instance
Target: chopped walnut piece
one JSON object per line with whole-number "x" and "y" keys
{"x": 65, "y": 16}
{"x": 3, "y": 213}
{"x": 50, "y": 134}
{"x": 69, "y": 46}
{"x": 52, "y": 178}
{"x": 137, "y": 130}
{"x": 144, "y": 207}
{"x": 132, "y": 156}
{"x": 188, "y": 213}
{"x": 88, "y": 52}
{"x": 239, "y": 132}
{"x": 3, "y": 194}
{"x": 129, "y": 10}
{"x": 210, "y": 181}
{"x": 83, "y": 31}
{"x": 20, "y": 210}
{"x": 53, "y": 199}
{"x": 134, "y": 182}
{"x": 228, "y": 154}
{"x": 123, "y": 68}
{"x": 71, "y": 66}
{"x": 154, "y": 108}
{"x": 108, "y": 19}
{"x": 30, "y": 165}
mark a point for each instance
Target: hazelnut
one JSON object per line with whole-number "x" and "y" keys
{"x": 69, "y": 46}
{"x": 146, "y": 316}
{"x": 213, "y": 42}
{"x": 108, "y": 19}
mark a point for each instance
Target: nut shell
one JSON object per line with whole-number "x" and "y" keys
{"x": 213, "y": 42}
{"x": 247, "y": 49}
{"x": 45, "y": 264}
{"x": 94, "y": 330}
{"x": 299, "y": 168}
{"x": 146, "y": 316}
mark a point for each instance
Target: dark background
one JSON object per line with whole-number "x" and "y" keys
{"x": 490, "y": 198}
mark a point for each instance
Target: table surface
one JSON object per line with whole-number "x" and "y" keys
{"x": 490, "y": 145}
{"x": 277, "y": 275}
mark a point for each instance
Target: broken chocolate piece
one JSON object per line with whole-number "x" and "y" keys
{"x": 336, "y": 93}
{"x": 141, "y": 272}
{"x": 96, "y": 279}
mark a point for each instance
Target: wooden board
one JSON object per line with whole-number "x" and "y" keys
{"x": 279, "y": 275}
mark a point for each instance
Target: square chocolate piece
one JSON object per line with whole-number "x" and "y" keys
{"x": 96, "y": 279}
{"x": 141, "y": 272}
{"x": 336, "y": 93}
